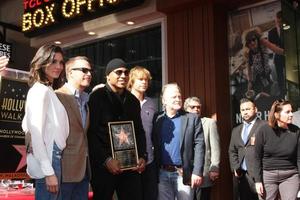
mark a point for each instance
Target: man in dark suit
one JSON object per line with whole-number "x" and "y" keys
{"x": 275, "y": 36}
{"x": 113, "y": 103}
{"x": 75, "y": 160}
{"x": 241, "y": 150}
{"x": 179, "y": 147}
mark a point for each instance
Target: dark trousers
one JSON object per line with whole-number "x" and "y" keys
{"x": 150, "y": 182}
{"x": 246, "y": 187}
{"x": 127, "y": 185}
{"x": 202, "y": 193}
{"x": 235, "y": 184}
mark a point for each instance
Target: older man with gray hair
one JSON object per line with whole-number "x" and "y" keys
{"x": 178, "y": 147}
{"x": 212, "y": 145}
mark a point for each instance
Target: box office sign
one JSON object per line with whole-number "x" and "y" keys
{"x": 12, "y": 149}
{"x": 43, "y": 15}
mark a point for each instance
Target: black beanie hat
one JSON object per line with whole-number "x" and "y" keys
{"x": 114, "y": 64}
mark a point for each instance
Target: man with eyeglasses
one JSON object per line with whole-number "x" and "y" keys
{"x": 242, "y": 151}
{"x": 113, "y": 103}
{"x": 75, "y": 160}
{"x": 212, "y": 149}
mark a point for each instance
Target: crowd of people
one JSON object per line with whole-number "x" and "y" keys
{"x": 69, "y": 142}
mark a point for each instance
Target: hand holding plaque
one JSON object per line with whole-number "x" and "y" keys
{"x": 123, "y": 144}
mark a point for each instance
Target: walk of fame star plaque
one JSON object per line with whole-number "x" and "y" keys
{"x": 123, "y": 143}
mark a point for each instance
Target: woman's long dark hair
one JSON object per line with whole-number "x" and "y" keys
{"x": 43, "y": 58}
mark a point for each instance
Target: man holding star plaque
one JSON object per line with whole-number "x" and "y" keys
{"x": 115, "y": 124}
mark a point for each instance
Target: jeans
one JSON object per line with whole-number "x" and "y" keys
{"x": 75, "y": 191}
{"x": 171, "y": 187}
{"x": 41, "y": 192}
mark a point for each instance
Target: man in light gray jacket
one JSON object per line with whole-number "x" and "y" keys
{"x": 212, "y": 149}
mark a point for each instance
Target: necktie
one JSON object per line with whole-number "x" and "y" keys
{"x": 246, "y": 132}
{"x": 245, "y": 135}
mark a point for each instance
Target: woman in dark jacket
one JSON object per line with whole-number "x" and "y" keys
{"x": 277, "y": 159}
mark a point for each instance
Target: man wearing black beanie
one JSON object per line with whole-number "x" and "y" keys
{"x": 113, "y": 103}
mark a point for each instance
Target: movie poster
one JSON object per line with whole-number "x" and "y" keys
{"x": 12, "y": 149}
{"x": 257, "y": 64}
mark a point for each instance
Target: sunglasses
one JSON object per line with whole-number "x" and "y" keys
{"x": 120, "y": 72}
{"x": 84, "y": 70}
{"x": 193, "y": 107}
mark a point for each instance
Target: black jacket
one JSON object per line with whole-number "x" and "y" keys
{"x": 106, "y": 106}
{"x": 238, "y": 150}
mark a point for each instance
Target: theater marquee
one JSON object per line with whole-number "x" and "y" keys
{"x": 43, "y": 15}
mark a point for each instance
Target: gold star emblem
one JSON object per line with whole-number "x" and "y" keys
{"x": 123, "y": 137}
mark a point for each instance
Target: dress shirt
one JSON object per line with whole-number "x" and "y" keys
{"x": 82, "y": 99}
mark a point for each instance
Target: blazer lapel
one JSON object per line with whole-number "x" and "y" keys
{"x": 87, "y": 121}
{"x": 158, "y": 129}
{"x": 240, "y": 133}
{"x": 183, "y": 128}
{"x": 72, "y": 103}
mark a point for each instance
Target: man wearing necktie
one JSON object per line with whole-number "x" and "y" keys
{"x": 75, "y": 160}
{"x": 241, "y": 151}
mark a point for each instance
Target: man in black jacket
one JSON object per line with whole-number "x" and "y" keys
{"x": 113, "y": 103}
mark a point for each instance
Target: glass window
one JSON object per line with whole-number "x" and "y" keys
{"x": 140, "y": 48}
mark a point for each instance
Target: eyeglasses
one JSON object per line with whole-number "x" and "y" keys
{"x": 84, "y": 70}
{"x": 120, "y": 72}
{"x": 193, "y": 107}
